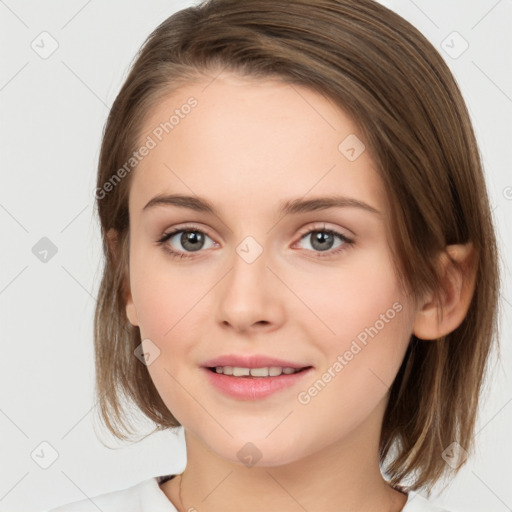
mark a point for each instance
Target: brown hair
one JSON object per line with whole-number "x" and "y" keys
{"x": 397, "y": 88}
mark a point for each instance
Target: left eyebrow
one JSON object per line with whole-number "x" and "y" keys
{"x": 322, "y": 203}
{"x": 288, "y": 207}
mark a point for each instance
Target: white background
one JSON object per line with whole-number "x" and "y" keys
{"x": 52, "y": 116}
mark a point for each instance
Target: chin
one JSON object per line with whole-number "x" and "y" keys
{"x": 260, "y": 452}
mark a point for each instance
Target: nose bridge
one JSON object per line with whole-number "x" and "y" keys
{"x": 249, "y": 268}
{"x": 247, "y": 296}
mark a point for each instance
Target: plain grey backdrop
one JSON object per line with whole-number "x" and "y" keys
{"x": 62, "y": 64}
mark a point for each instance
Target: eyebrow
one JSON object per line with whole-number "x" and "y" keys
{"x": 292, "y": 206}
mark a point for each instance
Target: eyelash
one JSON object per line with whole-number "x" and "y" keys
{"x": 347, "y": 242}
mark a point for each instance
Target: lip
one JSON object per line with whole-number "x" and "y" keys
{"x": 253, "y": 388}
{"x": 251, "y": 361}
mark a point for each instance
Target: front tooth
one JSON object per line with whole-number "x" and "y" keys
{"x": 274, "y": 371}
{"x": 227, "y": 370}
{"x": 240, "y": 372}
{"x": 259, "y": 372}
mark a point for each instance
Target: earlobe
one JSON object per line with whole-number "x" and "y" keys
{"x": 457, "y": 271}
{"x": 131, "y": 313}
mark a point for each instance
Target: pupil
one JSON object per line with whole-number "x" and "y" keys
{"x": 192, "y": 237}
{"x": 321, "y": 238}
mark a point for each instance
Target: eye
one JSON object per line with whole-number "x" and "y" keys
{"x": 190, "y": 239}
{"x": 323, "y": 240}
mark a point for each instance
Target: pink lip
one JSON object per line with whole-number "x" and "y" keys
{"x": 253, "y": 388}
{"x": 251, "y": 361}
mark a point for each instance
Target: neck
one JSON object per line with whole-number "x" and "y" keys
{"x": 344, "y": 476}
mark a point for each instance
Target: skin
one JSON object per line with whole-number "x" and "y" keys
{"x": 247, "y": 146}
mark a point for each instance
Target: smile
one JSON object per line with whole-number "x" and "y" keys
{"x": 244, "y": 383}
{"x": 272, "y": 371}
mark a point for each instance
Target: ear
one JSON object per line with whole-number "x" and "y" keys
{"x": 113, "y": 241}
{"x": 457, "y": 271}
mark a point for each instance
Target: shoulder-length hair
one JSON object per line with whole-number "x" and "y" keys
{"x": 401, "y": 94}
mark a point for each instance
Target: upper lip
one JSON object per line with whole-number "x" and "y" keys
{"x": 251, "y": 361}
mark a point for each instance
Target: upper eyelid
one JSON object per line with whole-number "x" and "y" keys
{"x": 302, "y": 232}
{"x": 179, "y": 229}
{"x": 316, "y": 226}
{"x": 324, "y": 227}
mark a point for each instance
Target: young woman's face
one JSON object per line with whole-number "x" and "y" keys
{"x": 271, "y": 278}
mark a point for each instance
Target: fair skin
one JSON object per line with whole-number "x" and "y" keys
{"x": 247, "y": 147}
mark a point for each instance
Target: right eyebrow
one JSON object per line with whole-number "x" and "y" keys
{"x": 193, "y": 203}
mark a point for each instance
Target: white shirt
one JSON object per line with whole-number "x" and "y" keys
{"x": 147, "y": 496}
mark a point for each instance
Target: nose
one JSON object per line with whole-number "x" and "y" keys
{"x": 250, "y": 297}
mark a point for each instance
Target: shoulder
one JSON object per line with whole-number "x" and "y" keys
{"x": 146, "y": 496}
{"x": 417, "y": 503}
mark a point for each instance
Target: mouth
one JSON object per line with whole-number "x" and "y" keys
{"x": 256, "y": 373}
{"x": 254, "y": 377}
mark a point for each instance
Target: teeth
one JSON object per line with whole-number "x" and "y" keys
{"x": 272, "y": 371}
{"x": 259, "y": 372}
{"x": 240, "y": 372}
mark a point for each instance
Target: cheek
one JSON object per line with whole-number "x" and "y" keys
{"x": 169, "y": 311}
{"x": 351, "y": 299}
{"x": 168, "y": 308}
{"x": 164, "y": 294}
{"x": 369, "y": 323}
{"x": 372, "y": 321}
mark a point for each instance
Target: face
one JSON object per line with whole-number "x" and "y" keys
{"x": 268, "y": 276}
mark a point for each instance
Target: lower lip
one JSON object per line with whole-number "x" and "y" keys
{"x": 247, "y": 388}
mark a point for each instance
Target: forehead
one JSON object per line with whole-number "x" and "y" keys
{"x": 252, "y": 143}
